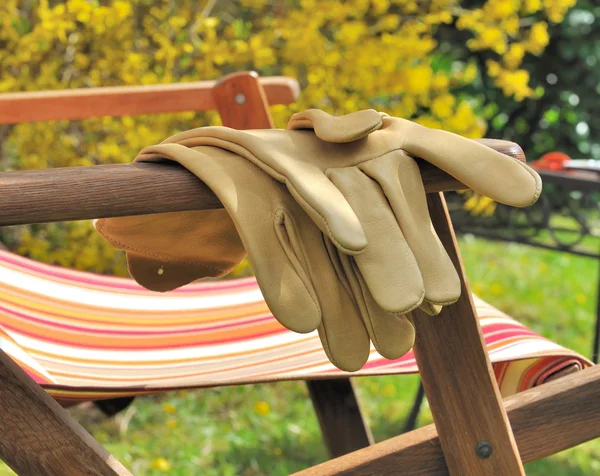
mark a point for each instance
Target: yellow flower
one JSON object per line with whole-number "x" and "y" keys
{"x": 538, "y": 38}
{"x": 493, "y": 68}
{"x": 497, "y": 289}
{"x": 580, "y": 298}
{"x": 470, "y": 73}
{"x": 351, "y": 32}
{"x": 514, "y": 56}
{"x": 380, "y": 6}
{"x": 501, "y": 8}
{"x": 388, "y": 390}
{"x": 161, "y": 464}
{"x": 515, "y": 83}
{"x": 171, "y": 423}
{"x": 477, "y": 288}
{"x": 532, "y": 6}
{"x": 494, "y": 39}
{"x": 440, "y": 82}
{"x": 418, "y": 80}
{"x": 556, "y": 9}
{"x": 443, "y": 106}
{"x": 169, "y": 408}
{"x": 262, "y": 408}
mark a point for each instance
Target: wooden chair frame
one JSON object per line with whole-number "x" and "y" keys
{"x": 487, "y": 436}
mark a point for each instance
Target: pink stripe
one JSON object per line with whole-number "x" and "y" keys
{"x": 244, "y": 338}
{"x": 500, "y": 326}
{"x": 160, "y": 315}
{"x": 508, "y": 334}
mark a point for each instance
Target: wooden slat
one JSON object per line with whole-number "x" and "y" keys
{"x": 342, "y": 424}
{"x": 127, "y": 100}
{"x": 99, "y": 191}
{"x": 39, "y": 437}
{"x": 455, "y": 369}
{"x": 546, "y": 420}
{"x": 242, "y": 102}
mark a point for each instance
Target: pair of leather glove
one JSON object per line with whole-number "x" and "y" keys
{"x": 332, "y": 213}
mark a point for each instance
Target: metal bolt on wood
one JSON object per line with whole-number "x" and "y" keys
{"x": 484, "y": 449}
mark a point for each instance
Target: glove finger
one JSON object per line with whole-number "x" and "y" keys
{"x": 348, "y": 128}
{"x": 490, "y": 173}
{"x": 283, "y": 281}
{"x": 393, "y": 335}
{"x": 399, "y": 176}
{"x": 387, "y": 263}
{"x": 342, "y": 331}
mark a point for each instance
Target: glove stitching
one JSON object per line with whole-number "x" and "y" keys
{"x": 444, "y": 303}
{"x": 538, "y": 183}
{"x": 406, "y": 311}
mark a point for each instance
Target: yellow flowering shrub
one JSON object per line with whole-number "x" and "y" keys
{"x": 497, "y": 26}
{"x": 347, "y": 55}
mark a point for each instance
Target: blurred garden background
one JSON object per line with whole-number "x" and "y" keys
{"x": 523, "y": 70}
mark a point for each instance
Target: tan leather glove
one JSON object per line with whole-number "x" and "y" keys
{"x": 299, "y": 271}
{"x": 355, "y": 182}
{"x": 354, "y": 179}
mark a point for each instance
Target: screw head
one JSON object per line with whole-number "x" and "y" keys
{"x": 239, "y": 98}
{"x": 483, "y": 449}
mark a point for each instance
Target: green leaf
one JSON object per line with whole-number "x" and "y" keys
{"x": 552, "y": 115}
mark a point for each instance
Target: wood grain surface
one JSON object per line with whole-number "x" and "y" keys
{"x": 545, "y": 420}
{"x": 39, "y": 437}
{"x": 458, "y": 377}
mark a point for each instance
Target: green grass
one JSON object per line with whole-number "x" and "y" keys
{"x": 271, "y": 429}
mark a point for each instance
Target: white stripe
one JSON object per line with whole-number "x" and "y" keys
{"x": 115, "y": 300}
{"x": 525, "y": 349}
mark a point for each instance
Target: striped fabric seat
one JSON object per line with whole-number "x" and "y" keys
{"x": 87, "y": 336}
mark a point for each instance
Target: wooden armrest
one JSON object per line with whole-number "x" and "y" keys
{"x": 82, "y": 193}
{"x": 130, "y": 100}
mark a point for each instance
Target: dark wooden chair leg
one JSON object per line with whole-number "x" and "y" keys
{"x": 110, "y": 407}
{"x": 39, "y": 437}
{"x": 411, "y": 421}
{"x": 596, "y": 343}
{"x": 342, "y": 424}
